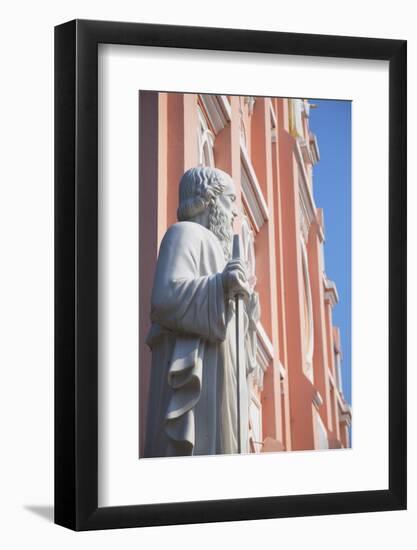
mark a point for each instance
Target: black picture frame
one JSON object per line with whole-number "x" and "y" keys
{"x": 76, "y": 272}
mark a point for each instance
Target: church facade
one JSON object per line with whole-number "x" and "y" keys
{"x": 266, "y": 145}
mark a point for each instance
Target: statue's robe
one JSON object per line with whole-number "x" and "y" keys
{"x": 192, "y": 396}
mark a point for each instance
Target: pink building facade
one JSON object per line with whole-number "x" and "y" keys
{"x": 267, "y": 147}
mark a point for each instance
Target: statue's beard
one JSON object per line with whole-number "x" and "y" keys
{"x": 221, "y": 225}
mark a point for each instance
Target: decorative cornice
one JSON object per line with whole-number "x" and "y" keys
{"x": 345, "y": 412}
{"x": 320, "y": 224}
{"x": 305, "y": 150}
{"x": 330, "y": 291}
{"x": 314, "y": 148}
{"x": 295, "y": 110}
{"x": 317, "y": 399}
{"x": 264, "y": 355}
{"x": 273, "y": 115}
{"x": 274, "y": 123}
{"x": 344, "y": 407}
{"x": 331, "y": 379}
{"x": 252, "y": 195}
{"x": 346, "y": 418}
{"x": 307, "y": 204}
{"x": 263, "y": 338}
{"x": 309, "y": 149}
{"x": 218, "y": 110}
{"x": 250, "y": 102}
{"x": 309, "y": 336}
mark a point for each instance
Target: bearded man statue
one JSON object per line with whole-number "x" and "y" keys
{"x": 193, "y": 389}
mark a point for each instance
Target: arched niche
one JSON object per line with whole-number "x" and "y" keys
{"x": 308, "y": 314}
{"x": 205, "y": 142}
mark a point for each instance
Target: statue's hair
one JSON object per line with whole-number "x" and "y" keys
{"x": 219, "y": 224}
{"x": 199, "y": 188}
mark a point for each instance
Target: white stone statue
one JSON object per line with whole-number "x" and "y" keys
{"x": 193, "y": 395}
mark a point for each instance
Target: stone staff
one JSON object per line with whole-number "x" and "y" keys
{"x": 240, "y": 344}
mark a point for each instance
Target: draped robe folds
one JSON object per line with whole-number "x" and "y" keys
{"x": 192, "y": 395}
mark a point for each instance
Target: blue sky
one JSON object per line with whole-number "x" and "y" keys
{"x": 331, "y": 122}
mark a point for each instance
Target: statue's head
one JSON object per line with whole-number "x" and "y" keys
{"x": 207, "y": 196}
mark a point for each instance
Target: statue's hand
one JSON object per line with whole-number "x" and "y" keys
{"x": 235, "y": 279}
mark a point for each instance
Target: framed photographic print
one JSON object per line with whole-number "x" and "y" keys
{"x": 230, "y": 275}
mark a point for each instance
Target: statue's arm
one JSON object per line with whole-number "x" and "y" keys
{"x": 183, "y": 300}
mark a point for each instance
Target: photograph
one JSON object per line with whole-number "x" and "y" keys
{"x": 244, "y": 274}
